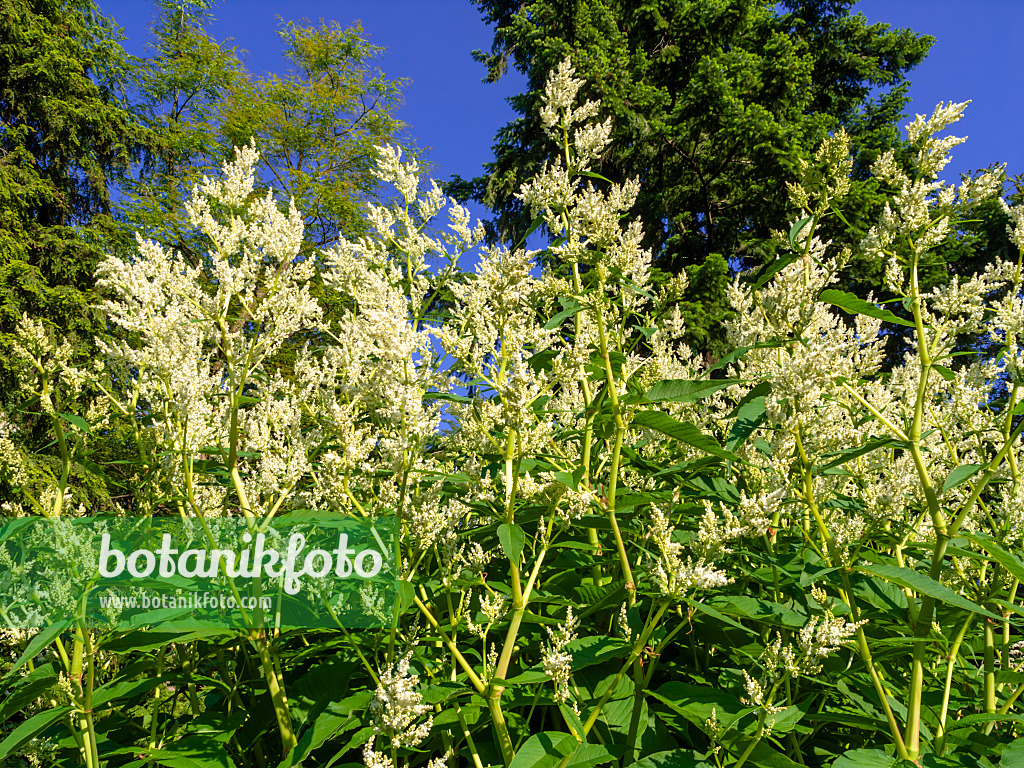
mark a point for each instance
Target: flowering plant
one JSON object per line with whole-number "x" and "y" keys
{"x": 608, "y": 554}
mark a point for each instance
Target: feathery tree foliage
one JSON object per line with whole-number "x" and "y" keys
{"x": 66, "y": 135}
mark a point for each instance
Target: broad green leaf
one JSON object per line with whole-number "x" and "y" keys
{"x": 758, "y": 610}
{"x": 960, "y": 475}
{"x": 29, "y": 729}
{"x": 774, "y": 268}
{"x": 762, "y": 754}
{"x": 683, "y": 431}
{"x": 737, "y": 354}
{"x": 36, "y": 645}
{"x": 512, "y": 539}
{"x": 695, "y": 703}
{"x": 796, "y": 229}
{"x": 857, "y": 306}
{"x": 1013, "y": 755}
{"x": 1007, "y": 559}
{"x": 570, "y": 308}
{"x": 908, "y": 579}
{"x": 544, "y": 750}
{"x": 864, "y": 758}
{"x": 590, "y": 650}
{"x": 28, "y": 689}
{"x": 324, "y": 727}
{"x": 852, "y": 453}
{"x": 749, "y": 414}
{"x": 686, "y": 390}
{"x": 123, "y": 689}
{"x": 587, "y": 755}
{"x": 994, "y": 717}
{"x": 704, "y": 608}
{"x": 78, "y": 421}
{"x": 675, "y": 758}
{"x": 194, "y": 751}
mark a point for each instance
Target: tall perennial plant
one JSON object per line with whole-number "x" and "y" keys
{"x": 608, "y": 555}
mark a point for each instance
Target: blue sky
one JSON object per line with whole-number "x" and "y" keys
{"x": 449, "y": 111}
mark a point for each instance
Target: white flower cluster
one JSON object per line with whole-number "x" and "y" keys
{"x": 556, "y": 660}
{"x": 674, "y": 576}
{"x": 397, "y": 706}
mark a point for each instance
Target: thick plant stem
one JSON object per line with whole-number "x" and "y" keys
{"x": 501, "y": 729}
{"x": 923, "y": 625}
{"x": 990, "y": 673}
{"x": 620, "y": 431}
{"x": 277, "y": 694}
{"x": 940, "y": 733}
{"x": 876, "y": 680}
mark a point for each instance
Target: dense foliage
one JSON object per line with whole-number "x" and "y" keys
{"x": 65, "y": 137}
{"x": 608, "y": 555}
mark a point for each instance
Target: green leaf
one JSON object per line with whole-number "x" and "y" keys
{"x": 960, "y": 475}
{"x": 857, "y": 306}
{"x": 738, "y": 353}
{"x": 997, "y": 552}
{"x": 447, "y": 396}
{"x": 796, "y": 229}
{"x": 675, "y": 758}
{"x": 29, "y": 688}
{"x": 993, "y": 717}
{"x": 696, "y": 702}
{"x": 544, "y": 750}
{"x": 570, "y": 309}
{"x": 1013, "y": 755}
{"x": 78, "y": 421}
{"x": 683, "y": 431}
{"x": 122, "y": 690}
{"x": 29, "y": 729}
{"x": 944, "y": 372}
{"x": 908, "y": 579}
{"x": 326, "y": 725}
{"x": 749, "y": 413}
{"x": 852, "y": 453}
{"x": 194, "y": 751}
{"x": 512, "y": 539}
{"x": 864, "y": 758}
{"x": 767, "y": 273}
{"x": 590, "y": 650}
{"x": 35, "y": 647}
{"x": 685, "y": 390}
{"x": 587, "y": 755}
{"x": 758, "y": 610}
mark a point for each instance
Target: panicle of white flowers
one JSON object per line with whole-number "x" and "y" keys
{"x": 560, "y": 92}
{"x": 933, "y": 153}
{"x": 493, "y": 606}
{"x": 674, "y": 576}
{"x": 396, "y": 705}
{"x": 826, "y": 178}
{"x": 374, "y": 759}
{"x": 821, "y": 637}
{"x": 12, "y": 463}
{"x": 623, "y": 624}
{"x": 405, "y": 176}
{"x": 555, "y": 659}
